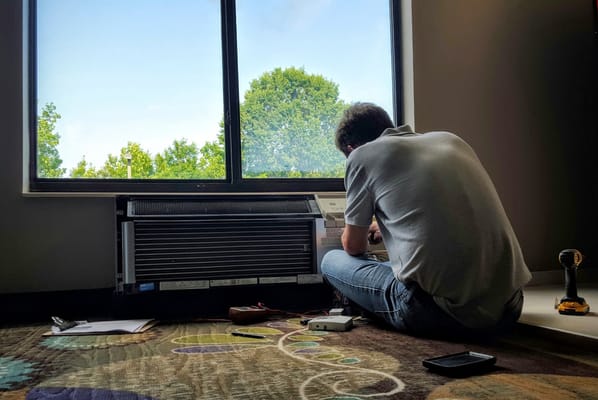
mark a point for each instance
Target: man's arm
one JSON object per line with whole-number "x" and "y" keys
{"x": 355, "y": 239}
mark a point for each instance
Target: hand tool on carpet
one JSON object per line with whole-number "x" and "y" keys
{"x": 63, "y": 324}
{"x": 571, "y": 303}
{"x": 247, "y": 334}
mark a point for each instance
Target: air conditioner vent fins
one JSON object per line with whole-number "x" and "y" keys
{"x": 200, "y": 249}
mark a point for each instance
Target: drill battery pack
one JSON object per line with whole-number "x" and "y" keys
{"x": 573, "y": 307}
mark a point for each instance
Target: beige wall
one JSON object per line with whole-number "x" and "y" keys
{"x": 512, "y": 77}
{"x": 46, "y": 244}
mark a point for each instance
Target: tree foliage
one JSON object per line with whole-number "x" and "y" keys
{"x": 212, "y": 161}
{"x": 142, "y": 165}
{"x": 48, "y": 157}
{"x": 179, "y": 161}
{"x": 288, "y": 118}
{"x": 84, "y": 170}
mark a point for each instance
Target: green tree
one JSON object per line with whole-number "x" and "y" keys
{"x": 48, "y": 158}
{"x": 84, "y": 170}
{"x": 212, "y": 158}
{"x": 142, "y": 166}
{"x": 288, "y": 119}
{"x": 179, "y": 161}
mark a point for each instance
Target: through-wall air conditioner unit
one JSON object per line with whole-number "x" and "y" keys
{"x": 194, "y": 242}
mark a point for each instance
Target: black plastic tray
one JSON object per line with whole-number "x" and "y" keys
{"x": 464, "y": 362}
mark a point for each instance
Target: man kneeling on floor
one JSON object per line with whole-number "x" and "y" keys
{"x": 455, "y": 266}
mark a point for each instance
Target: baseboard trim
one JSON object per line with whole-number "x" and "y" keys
{"x": 98, "y": 304}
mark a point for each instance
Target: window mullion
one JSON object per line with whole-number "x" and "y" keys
{"x": 232, "y": 126}
{"x": 32, "y": 88}
{"x": 397, "y": 62}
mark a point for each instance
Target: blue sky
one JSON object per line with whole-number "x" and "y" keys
{"x": 149, "y": 71}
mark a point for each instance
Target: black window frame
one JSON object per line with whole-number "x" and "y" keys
{"x": 234, "y": 181}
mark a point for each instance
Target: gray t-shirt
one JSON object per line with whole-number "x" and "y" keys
{"x": 441, "y": 219}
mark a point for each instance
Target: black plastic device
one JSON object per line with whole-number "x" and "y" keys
{"x": 460, "y": 363}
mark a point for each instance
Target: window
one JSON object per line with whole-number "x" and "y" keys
{"x": 201, "y": 95}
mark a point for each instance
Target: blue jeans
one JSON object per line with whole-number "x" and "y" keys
{"x": 405, "y": 306}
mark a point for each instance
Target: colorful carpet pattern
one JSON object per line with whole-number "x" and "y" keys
{"x": 202, "y": 360}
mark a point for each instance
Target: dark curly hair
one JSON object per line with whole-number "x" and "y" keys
{"x": 361, "y": 123}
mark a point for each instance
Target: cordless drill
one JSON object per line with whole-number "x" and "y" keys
{"x": 571, "y": 303}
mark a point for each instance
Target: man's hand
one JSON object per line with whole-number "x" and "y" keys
{"x": 374, "y": 235}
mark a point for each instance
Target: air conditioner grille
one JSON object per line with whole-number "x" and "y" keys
{"x": 149, "y": 207}
{"x": 202, "y": 249}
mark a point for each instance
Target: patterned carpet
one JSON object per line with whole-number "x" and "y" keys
{"x": 202, "y": 360}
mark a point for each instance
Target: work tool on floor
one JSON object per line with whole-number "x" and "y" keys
{"x": 571, "y": 303}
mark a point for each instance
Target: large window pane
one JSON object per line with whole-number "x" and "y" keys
{"x": 301, "y": 62}
{"x": 129, "y": 89}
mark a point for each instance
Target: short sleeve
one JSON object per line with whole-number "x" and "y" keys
{"x": 360, "y": 204}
